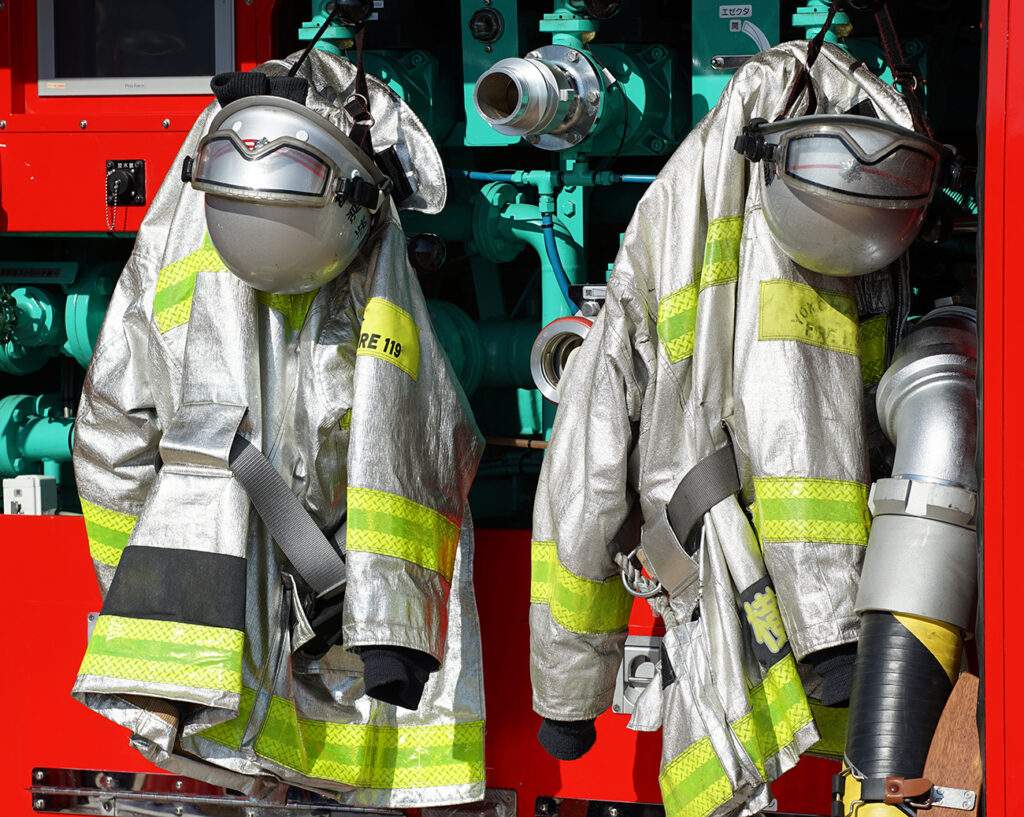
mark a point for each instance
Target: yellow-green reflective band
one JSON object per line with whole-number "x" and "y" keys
{"x": 176, "y": 283}
{"x": 543, "y": 557}
{"x": 345, "y": 423}
{"x": 293, "y": 307}
{"x": 577, "y": 604}
{"x": 392, "y": 525}
{"x": 108, "y": 532}
{"x": 360, "y": 755}
{"x": 722, "y": 252}
{"x": 165, "y": 652}
{"x": 791, "y": 311}
{"x": 694, "y": 783}
{"x": 831, "y": 722}
{"x": 871, "y": 338}
{"x": 389, "y": 333}
{"x": 795, "y": 509}
{"x": 677, "y": 317}
{"x": 778, "y": 710}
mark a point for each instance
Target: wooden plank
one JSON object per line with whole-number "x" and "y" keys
{"x": 954, "y": 758}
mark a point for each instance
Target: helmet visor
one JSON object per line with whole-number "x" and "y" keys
{"x": 897, "y": 175}
{"x": 285, "y": 170}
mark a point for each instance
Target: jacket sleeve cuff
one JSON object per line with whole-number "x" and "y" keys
{"x": 396, "y": 675}
{"x": 566, "y": 740}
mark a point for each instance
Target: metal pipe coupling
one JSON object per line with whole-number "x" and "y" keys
{"x": 552, "y": 97}
{"x": 553, "y": 350}
{"x": 921, "y": 556}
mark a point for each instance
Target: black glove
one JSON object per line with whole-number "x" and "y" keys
{"x": 567, "y": 740}
{"x": 835, "y": 666}
{"x": 396, "y": 675}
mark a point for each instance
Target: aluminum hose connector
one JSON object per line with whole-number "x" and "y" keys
{"x": 919, "y": 583}
{"x": 551, "y": 98}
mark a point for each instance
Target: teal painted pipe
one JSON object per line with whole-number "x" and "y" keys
{"x": 491, "y": 353}
{"x": 31, "y": 434}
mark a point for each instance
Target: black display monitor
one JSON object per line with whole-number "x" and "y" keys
{"x": 110, "y": 47}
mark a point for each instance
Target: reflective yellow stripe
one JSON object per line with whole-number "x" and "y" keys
{"x": 391, "y": 525}
{"x": 165, "y": 652}
{"x": 791, "y": 311}
{"x": 543, "y": 557}
{"x": 831, "y": 722}
{"x": 778, "y": 710}
{"x": 361, "y": 755}
{"x": 942, "y": 640}
{"x": 176, "y": 283}
{"x": 795, "y": 509}
{"x": 722, "y": 252}
{"x": 694, "y": 784}
{"x": 108, "y": 532}
{"x": 389, "y": 333}
{"x": 293, "y": 307}
{"x": 677, "y": 317}
{"x": 871, "y": 341}
{"x": 345, "y": 423}
{"x": 577, "y": 604}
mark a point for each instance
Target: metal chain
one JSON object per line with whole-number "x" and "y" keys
{"x": 111, "y": 220}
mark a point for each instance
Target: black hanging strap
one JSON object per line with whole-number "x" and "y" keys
{"x": 803, "y": 80}
{"x": 904, "y": 77}
{"x": 358, "y": 105}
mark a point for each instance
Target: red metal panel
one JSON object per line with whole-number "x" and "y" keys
{"x": 1003, "y": 376}
{"x": 50, "y": 588}
{"x": 53, "y": 170}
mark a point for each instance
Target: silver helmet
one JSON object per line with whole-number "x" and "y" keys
{"x": 843, "y": 195}
{"x": 289, "y": 197}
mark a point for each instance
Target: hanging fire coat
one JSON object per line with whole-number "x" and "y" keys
{"x": 710, "y": 330}
{"x": 348, "y": 393}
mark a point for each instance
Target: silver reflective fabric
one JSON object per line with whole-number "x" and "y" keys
{"x": 708, "y": 329}
{"x": 375, "y": 438}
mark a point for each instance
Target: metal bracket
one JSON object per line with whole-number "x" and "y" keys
{"x": 129, "y": 794}
{"x": 961, "y": 799}
{"x": 641, "y": 655}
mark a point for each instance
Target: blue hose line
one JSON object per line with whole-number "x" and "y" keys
{"x": 482, "y": 177}
{"x": 475, "y": 175}
{"x": 547, "y": 225}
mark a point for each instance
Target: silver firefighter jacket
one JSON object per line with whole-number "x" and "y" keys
{"x": 349, "y": 395}
{"x": 708, "y": 330}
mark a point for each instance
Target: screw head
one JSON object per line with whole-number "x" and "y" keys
{"x": 612, "y": 811}
{"x": 574, "y": 138}
{"x": 573, "y": 56}
{"x": 533, "y": 139}
{"x": 179, "y": 810}
{"x": 83, "y": 124}
{"x": 3, "y": 124}
{"x": 179, "y": 784}
{"x": 39, "y": 774}
{"x": 39, "y": 804}
{"x": 488, "y": 48}
{"x": 533, "y": 55}
{"x": 593, "y": 96}
{"x": 165, "y": 124}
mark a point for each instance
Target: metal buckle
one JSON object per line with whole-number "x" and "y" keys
{"x": 633, "y": 579}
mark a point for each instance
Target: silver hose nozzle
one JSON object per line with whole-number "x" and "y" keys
{"x": 522, "y": 97}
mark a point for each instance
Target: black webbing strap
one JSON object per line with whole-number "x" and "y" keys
{"x": 803, "y": 79}
{"x": 358, "y": 105}
{"x": 710, "y": 481}
{"x": 904, "y": 76}
{"x": 310, "y": 552}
